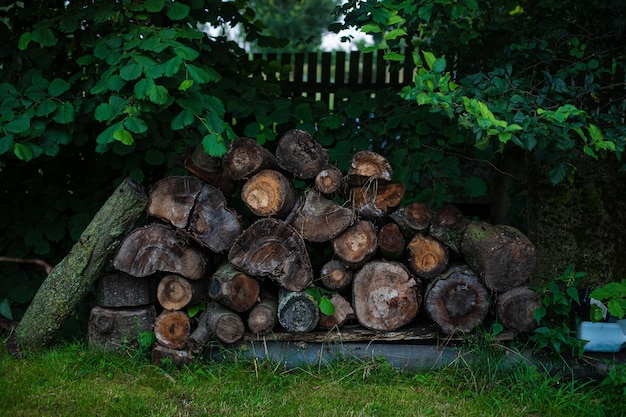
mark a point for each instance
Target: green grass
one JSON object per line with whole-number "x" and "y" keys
{"x": 72, "y": 380}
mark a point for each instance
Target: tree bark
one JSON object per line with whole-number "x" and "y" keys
{"x": 197, "y": 209}
{"x": 271, "y": 248}
{"x": 503, "y": 257}
{"x": 457, "y": 300}
{"x": 269, "y": 193}
{"x": 413, "y": 218}
{"x": 335, "y": 275}
{"x": 245, "y": 157}
{"x": 233, "y": 289}
{"x": 297, "y": 152}
{"x": 448, "y": 225}
{"x": 176, "y": 292}
{"x": 123, "y": 290}
{"x": 385, "y": 295}
{"x": 343, "y": 312}
{"x": 297, "y": 311}
{"x": 329, "y": 180}
{"x": 391, "y": 242}
{"x": 516, "y": 309}
{"x": 71, "y": 279}
{"x": 367, "y": 166}
{"x": 172, "y": 329}
{"x": 114, "y": 329}
{"x": 209, "y": 169}
{"x": 375, "y": 200}
{"x": 157, "y": 247}
{"x": 321, "y": 219}
{"x": 263, "y": 317}
{"x": 427, "y": 257}
{"x": 357, "y": 243}
{"x": 216, "y": 322}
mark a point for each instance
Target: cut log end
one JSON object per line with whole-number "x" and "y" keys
{"x": 269, "y": 193}
{"x": 427, "y": 257}
{"x": 516, "y": 309}
{"x": 172, "y": 329}
{"x": 297, "y": 152}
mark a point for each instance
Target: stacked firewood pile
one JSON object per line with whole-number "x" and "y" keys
{"x": 270, "y": 258}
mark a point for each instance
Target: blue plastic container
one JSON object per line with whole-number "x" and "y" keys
{"x": 603, "y": 337}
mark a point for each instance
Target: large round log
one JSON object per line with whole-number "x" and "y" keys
{"x": 245, "y": 157}
{"x": 176, "y": 292}
{"x": 357, "y": 243}
{"x": 385, "y": 295}
{"x": 427, "y": 257}
{"x": 233, "y": 288}
{"x": 516, "y": 309}
{"x": 269, "y": 193}
{"x": 503, "y": 257}
{"x": 297, "y": 311}
{"x": 457, "y": 300}
{"x": 117, "y": 329}
{"x": 172, "y": 329}
{"x": 297, "y": 152}
{"x": 321, "y": 219}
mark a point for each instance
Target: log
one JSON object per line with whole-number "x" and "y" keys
{"x": 177, "y": 357}
{"x": 427, "y": 257}
{"x": 385, "y": 295}
{"x": 176, "y": 292}
{"x": 197, "y": 209}
{"x": 209, "y": 169}
{"x": 391, "y": 242}
{"x": 448, "y": 225}
{"x": 114, "y": 329}
{"x": 336, "y": 275}
{"x": 321, "y": 219}
{"x": 516, "y": 309}
{"x": 377, "y": 200}
{"x": 234, "y": 289}
{"x": 343, "y": 313}
{"x": 298, "y": 311}
{"x": 413, "y": 218}
{"x": 503, "y": 257}
{"x": 457, "y": 300}
{"x": 172, "y": 328}
{"x": 269, "y": 193}
{"x": 216, "y": 322}
{"x": 329, "y": 180}
{"x": 357, "y": 243}
{"x": 298, "y": 153}
{"x": 70, "y": 280}
{"x": 367, "y": 166}
{"x": 272, "y": 248}
{"x": 123, "y": 290}
{"x": 263, "y": 317}
{"x": 157, "y": 247}
{"x": 245, "y": 157}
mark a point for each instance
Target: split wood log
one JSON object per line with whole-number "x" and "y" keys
{"x": 298, "y": 311}
{"x": 123, "y": 290}
{"x": 272, "y": 248}
{"x": 413, "y": 218}
{"x": 457, "y": 300}
{"x": 336, "y": 275}
{"x": 427, "y": 257}
{"x": 385, "y": 295}
{"x": 269, "y": 193}
{"x": 375, "y": 200}
{"x": 233, "y": 288}
{"x": 209, "y": 169}
{"x": 391, "y": 242}
{"x": 329, "y": 180}
{"x": 357, "y": 243}
{"x": 217, "y": 322}
{"x": 157, "y": 247}
{"x": 516, "y": 309}
{"x": 503, "y": 257}
{"x": 320, "y": 219}
{"x": 177, "y": 357}
{"x": 343, "y": 312}
{"x": 197, "y": 209}
{"x": 367, "y": 166}
{"x": 70, "y": 280}
{"x": 172, "y": 329}
{"x": 245, "y": 157}
{"x": 115, "y": 329}
{"x": 448, "y": 225}
{"x": 176, "y": 292}
{"x": 263, "y": 317}
{"x": 297, "y": 152}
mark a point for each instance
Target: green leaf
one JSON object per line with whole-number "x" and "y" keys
{"x": 131, "y": 71}
{"x": 326, "y": 306}
{"x": 178, "y": 11}
{"x": 5, "y": 309}
{"x": 45, "y": 108}
{"x": 135, "y": 125}
{"x": 154, "y": 6}
{"x": 23, "y": 152}
{"x": 172, "y": 66}
{"x": 158, "y": 94}
{"x": 6, "y": 143}
{"x": 123, "y": 136}
{"x": 182, "y": 119}
{"x": 430, "y": 59}
{"x": 371, "y": 28}
{"x": 64, "y": 113}
{"x": 18, "y": 125}
{"x": 44, "y": 37}
{"x": 185, "y": 85}
{"x": 213, "y": 144}
{"x": 106, "y": 136}
{"x": 395, "y": 33}
{"x": 186, "y": 53}
{"x": 143, "y": 87}
{"x": 475, "y": 187}
{"x": 200, "y": 75}
{"x": 439, "y": 65}
{"x": 57, "y": 87}
{"x": 24, "y": 40}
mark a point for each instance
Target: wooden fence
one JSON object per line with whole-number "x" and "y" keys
{"x": 323, "y": 73}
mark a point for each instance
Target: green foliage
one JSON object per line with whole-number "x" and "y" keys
{"x": 613, "y": 295}
{"x": 320, "y": 296}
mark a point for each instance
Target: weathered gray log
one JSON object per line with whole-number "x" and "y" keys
{"x": 233, "y": 288}
{"x": 115, "y": 329}
{"x": 172, "y": 329}
{"x": 122, "y": 290}
{"x": 71, "y": 279}
{"x": 516, "y": 309}
{"x": 297, "y": 152}
{"x": 176, "y": 292}
{"x": 320, "y": 219}
{"x": 298, "y": 311}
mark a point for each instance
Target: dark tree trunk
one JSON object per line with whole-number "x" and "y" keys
{"x": 321, "y": 219}
{"x": 357, "y": 243}
{"x": 176, "y": 292}
{"x": 335, "y": 275}
{"x": 457, "y": 300}
{"x": 115, "y": 329}
{"x": 369, "y": 167}
{"x": 329, "y": 180}
{"x": 385, "y": 295}
{"x": 297, "y": 311}
{"x": 427, "y": 257}
{"x": 245, "y": 157}
{"x": 172, "y": 329}
{"x": 234, "y": 289}
{"x": 297, "y": 152}
{"x": 123, "y": 290}
{"x": 374, "y": 200}
{"x": 516, "y": 309}
{"x": 391, "y": 241}
{"x": 269, "y": 193}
